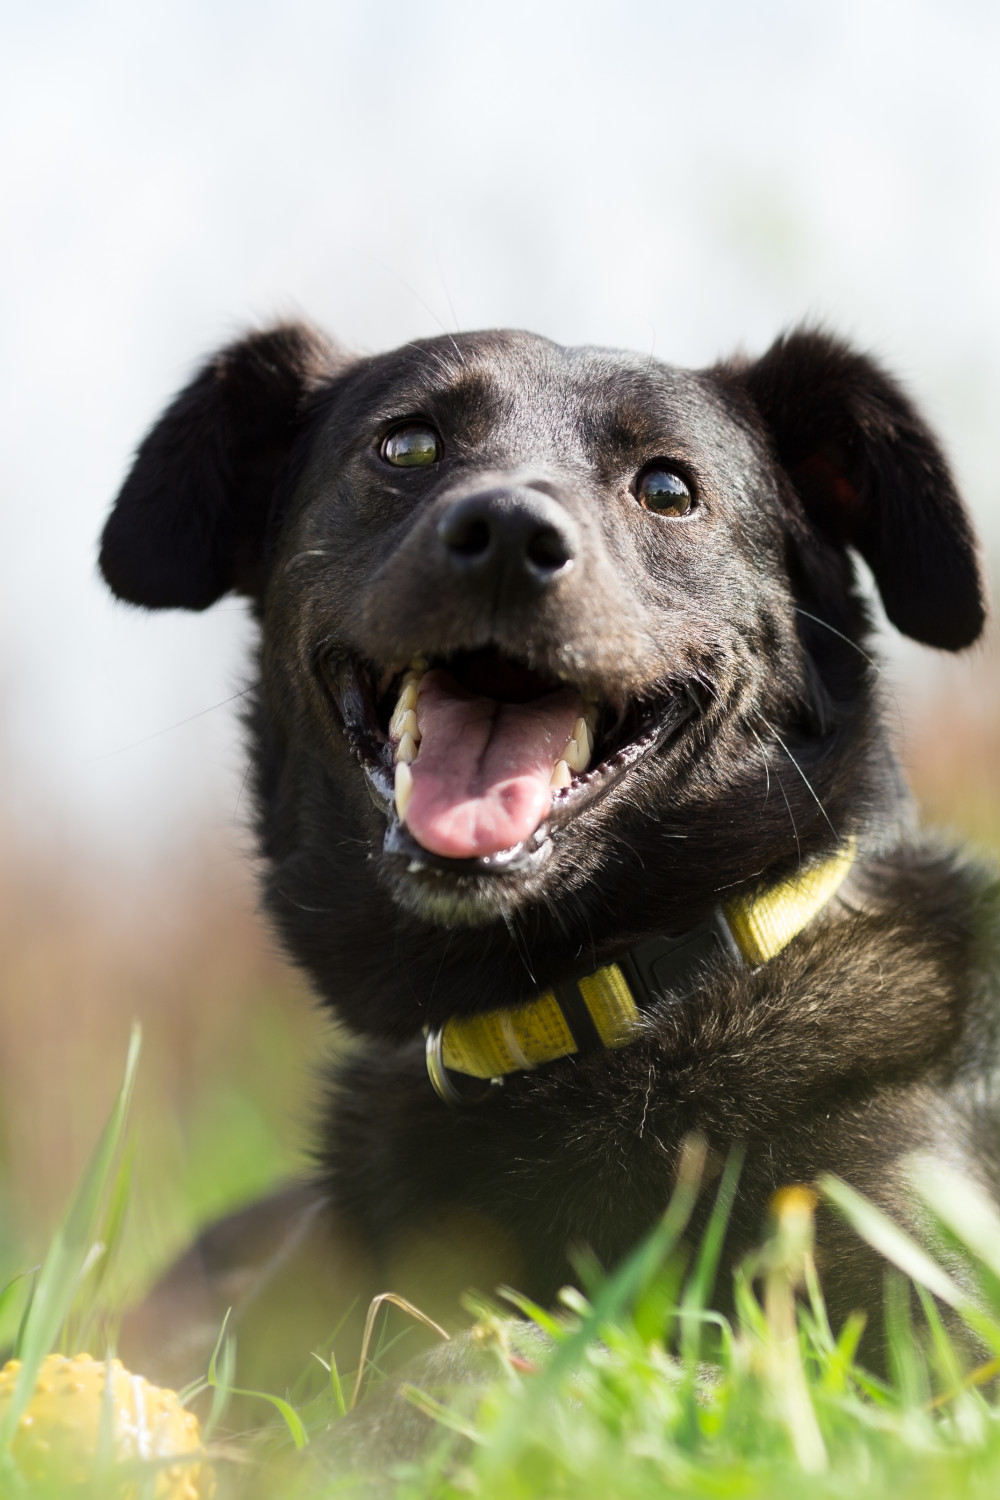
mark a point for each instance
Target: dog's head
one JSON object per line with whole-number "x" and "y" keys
{"x": 548, "y": 631}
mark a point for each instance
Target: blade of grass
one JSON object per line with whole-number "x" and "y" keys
{"x": 105, "y": 1456}
{"x": 25, "y": 1314}
{"x": 892, "y": 1242}
{"x": 10, "y": 1293}
{"x": 962, "y": 1206}
{"x": 946, "y": 1357}
{"x": 907, "y": 1363}
{"x": 981, "y": 1375}
{"x": 112, "y": 1228}
{"x": 286, "y": 1411}
{"x": 617, "y": 1291}
{"x": 577, "y": 1304}
{"x": 57, "y": 1281}
{"x": 624, "y": 1284}
{"x": 700, "y": 1283}
{"x": 220, "y": 1385}
{"x": 337, "y": 1386}
{"x": 782, "y": 1261}
{"x": 219, "y": 1377}
{"x": 374, "y": 1308}
{"x": 903, "y": 1252}
{"x": 444, "y": 1415}
{"x": 821, "y": 1331}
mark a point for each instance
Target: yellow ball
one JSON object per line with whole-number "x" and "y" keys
{"x": 60, "y": 1429}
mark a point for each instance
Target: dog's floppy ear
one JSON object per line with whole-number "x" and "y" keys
{"x": 869, "y": 473}
{"x": 190, "y": 521}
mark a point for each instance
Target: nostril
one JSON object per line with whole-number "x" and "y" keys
{"x": 548, "y": 550}
{"x": 518, "y": 535}
{"x": 468, "y": 536}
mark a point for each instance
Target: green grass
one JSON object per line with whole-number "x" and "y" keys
{"x": 632, "y": 1388}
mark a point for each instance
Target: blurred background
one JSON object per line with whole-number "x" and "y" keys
{"x": 683, "y": 179}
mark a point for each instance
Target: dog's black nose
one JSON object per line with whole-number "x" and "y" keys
{"x": 519, "y": 538}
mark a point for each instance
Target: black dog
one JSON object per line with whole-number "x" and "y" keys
{"x": 571, "y": 776}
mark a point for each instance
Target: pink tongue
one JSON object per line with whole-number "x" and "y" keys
{"x": 481, "y": 779}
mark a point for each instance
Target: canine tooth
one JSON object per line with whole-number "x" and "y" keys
{"x": 560, "y": 775}
{"x": 406, "y": 750}
{"x": 591, "y": 714}
{"x": 419, "y": 665}
{"x": 576, "y": 755}
{"x": 404, "y": 789}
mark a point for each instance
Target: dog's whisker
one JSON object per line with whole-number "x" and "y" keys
{"x": 791, "y": 815}
{"x": 243, "y": 782}
{"x": 809, "y": 786}
{"x": 169, "y": 728}
{"x": 652, "y": 348}
{"x": 319, "y": 911}
{"x": 417, "y": 298}
{"x": 840, "y": 635}
{"x": 646, "y": 1099}
{"x": 510, "y": 922}
{"x": 767, "y": 766}
{"x": 437, "y": 972}
{"x": 451, "y": 306}
{"x": 432, "y": 357}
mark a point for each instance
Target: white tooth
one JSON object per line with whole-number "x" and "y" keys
{"x": 404, "y": 721}
{"x": 406, "y": 706}
{"x": 560, "y": 775}
{"x": 404, "y": 789}
{"x": 406, "y": 750}
{"x": 576, "y": 756}
{"x": 583, "y": 736}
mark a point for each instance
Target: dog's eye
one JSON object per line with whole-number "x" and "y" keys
{"x": 411, "y": 446}
{"x": 663, "y": 491}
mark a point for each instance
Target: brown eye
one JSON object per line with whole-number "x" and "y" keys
{"x": 412, "y": 446}
{"x": 663, "y": 491}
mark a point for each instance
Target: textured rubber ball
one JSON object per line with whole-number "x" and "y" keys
{"x": 412, "y": 447}
{"x": 664, "y": 492}
{"x": 70, "y": 1417}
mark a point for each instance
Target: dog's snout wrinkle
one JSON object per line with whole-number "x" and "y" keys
{"x": 516, "y": 539}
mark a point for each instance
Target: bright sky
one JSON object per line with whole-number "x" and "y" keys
{"x": 685, "y": 178}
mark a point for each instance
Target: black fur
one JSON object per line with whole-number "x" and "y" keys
{"x": 873, "y": 1035}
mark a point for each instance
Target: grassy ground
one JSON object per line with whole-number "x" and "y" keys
{"x": 638, "y": 1391}
{"x": 633, "y": 1388}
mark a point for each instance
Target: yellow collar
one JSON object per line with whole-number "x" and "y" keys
{"x": 603, "y": 1009}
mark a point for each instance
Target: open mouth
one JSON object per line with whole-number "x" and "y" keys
{"x": 476, "y": 758}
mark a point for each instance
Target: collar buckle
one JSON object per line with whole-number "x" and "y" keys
{"x": 670, "y": 967}
{"x": 442, "y": 1079}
